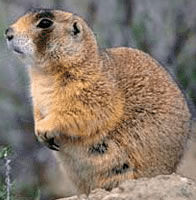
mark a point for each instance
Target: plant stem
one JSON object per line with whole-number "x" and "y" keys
{"x": 8, "y": 181}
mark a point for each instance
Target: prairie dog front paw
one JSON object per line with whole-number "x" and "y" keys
{"x": 47, "y": 134}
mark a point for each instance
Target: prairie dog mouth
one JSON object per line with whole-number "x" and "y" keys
{"x": 17, "y": 51}
{"x": 14, "y": 48}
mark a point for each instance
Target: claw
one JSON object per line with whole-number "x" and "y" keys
{"x": 45, "y": 136}
{"x": 52, "y": 145}
{"x": 49, "y": 142}
{"x": 53, "y": 148}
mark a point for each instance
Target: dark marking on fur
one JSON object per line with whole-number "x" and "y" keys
{"x": 99, "y": 148}
{"x": 67, "y": 75}
{"x": 42, "y": 40}
{"x": 44, "y": 15}
{"x": 121, "y": 169}
{"x": 66, "y": 78}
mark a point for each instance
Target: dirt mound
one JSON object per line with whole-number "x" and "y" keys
{"x": 163, "y": 187}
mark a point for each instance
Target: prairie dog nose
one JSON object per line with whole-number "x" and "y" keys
{"x": 9, "y": 33}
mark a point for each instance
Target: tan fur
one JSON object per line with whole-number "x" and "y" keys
{"x": 115, "y": 113}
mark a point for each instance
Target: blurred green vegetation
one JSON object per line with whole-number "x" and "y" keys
{"x": 5, "y": 153}
{"x": 28, "y": 191}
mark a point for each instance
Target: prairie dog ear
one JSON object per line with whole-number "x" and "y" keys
{"x": 77, "y": 29}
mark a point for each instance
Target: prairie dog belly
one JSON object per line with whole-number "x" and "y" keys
{"x": 95, "y": 165}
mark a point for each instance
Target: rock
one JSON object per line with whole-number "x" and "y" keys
{"x": 162, "y": 187}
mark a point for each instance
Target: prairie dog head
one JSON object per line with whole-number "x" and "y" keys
{"x": 44, "y": 35}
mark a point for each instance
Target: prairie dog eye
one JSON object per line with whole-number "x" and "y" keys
{"x": 45, "y": 23}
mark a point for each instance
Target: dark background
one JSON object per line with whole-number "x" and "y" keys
{"x": 165, "y": 29}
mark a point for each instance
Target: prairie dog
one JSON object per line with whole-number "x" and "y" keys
{"x": 110, "y": 114}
